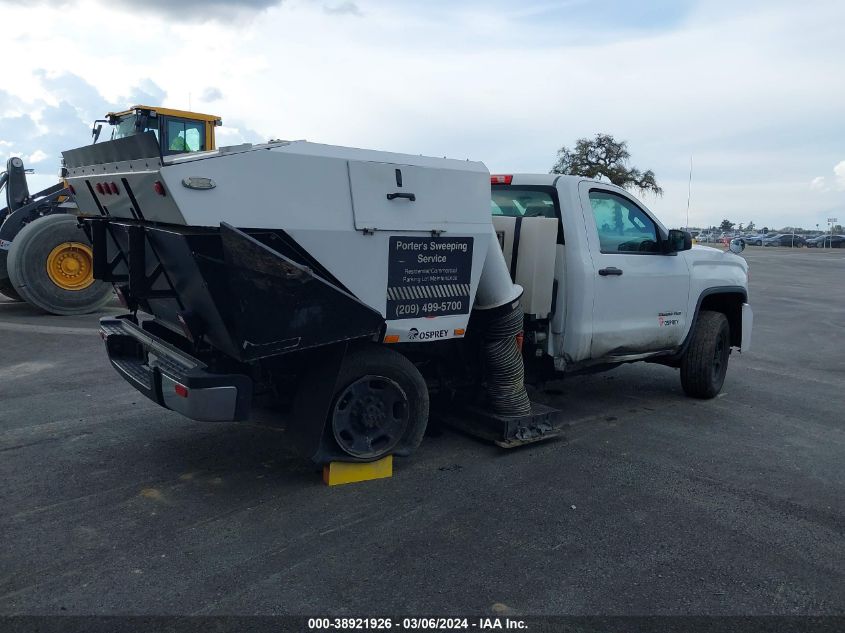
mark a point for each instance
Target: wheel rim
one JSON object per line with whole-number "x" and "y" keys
{"x": 70, "y": 266}
{"x": 370, "y": 417}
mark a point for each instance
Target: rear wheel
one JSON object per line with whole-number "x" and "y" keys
{"x": 380, "y": 406}
{"x": 705, "y": 362}
{"x": 51, "y": 266}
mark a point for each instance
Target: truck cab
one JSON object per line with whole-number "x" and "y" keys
{"x": 606, "y": 282}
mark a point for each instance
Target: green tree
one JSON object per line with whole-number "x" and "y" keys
{"x": 750, "y": 226}
{"x": 726, "y": 225}
{"x": 604, "y": 156}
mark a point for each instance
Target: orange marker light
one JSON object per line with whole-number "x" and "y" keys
{"x": 391, "y": 338}
{"x": 460, "y": 332}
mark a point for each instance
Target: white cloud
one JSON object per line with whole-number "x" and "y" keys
{"x": 839, "y": 173}
{"x": 344, "y": 8}
{"x": 463, "y": 80}
{"x": 819, "y": 184}
{"x": 37, "y": 156}
{"x": 211, "y": 94}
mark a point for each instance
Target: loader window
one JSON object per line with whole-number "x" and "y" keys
{"x": 622, "y": 226}
{"x": 183, "y": 136}
{"x": 127, "y": 126}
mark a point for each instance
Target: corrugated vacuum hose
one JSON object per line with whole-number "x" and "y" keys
{"x": 505, "y": 371}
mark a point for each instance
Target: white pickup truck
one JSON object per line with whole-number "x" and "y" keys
{"x": 339, "y": 292}
{"x": 606, "y": 283}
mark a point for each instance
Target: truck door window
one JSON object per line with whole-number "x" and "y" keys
{"x": 622, "y": 226}
{"x": 527, "y": 201}
{"x": 184, "y": 136}
{"x": 522, "y": 203}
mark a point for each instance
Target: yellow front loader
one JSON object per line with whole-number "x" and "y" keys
{"x": 45, "y": 259}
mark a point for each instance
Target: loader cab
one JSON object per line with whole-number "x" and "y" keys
{"x": 177, "y": 131}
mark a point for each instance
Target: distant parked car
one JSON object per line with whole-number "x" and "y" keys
{"x": 785, "y": 239}
{"x": 814, "y": 241}
{"x": 829, "y": 241}
{"x": 756, "y": 239}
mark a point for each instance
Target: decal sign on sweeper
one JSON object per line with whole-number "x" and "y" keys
{"x": 428, "y": 276}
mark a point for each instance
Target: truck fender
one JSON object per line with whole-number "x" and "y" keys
{"x": 725, "y": 299}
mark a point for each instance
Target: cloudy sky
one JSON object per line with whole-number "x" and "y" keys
{"x": 752, "y": 90}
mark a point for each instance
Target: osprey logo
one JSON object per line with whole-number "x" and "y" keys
{"x": 415, "y": 335}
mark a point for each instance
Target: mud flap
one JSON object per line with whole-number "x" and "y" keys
{"x": 278, "y": 305}
{"x": 305, "y": 423}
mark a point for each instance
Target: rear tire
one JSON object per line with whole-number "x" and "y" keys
{"x": 28, "y": 259}
{"x": 705, "y": 361}
{"x": 380, "y": 405}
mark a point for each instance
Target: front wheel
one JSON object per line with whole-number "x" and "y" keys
{"x": 6, "y": 287}
{"x": 51, "y": 267}
{"x": 380, "y": 406}
{"x": 705, "y": 362}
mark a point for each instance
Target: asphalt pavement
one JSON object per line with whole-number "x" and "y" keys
{"x": 654, "y": 503}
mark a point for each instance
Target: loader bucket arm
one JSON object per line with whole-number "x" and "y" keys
{"x": 17, "y": 191}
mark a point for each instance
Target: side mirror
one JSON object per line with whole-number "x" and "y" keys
{"x": 677, "y": 241}
{"x": 737, "y": 245}
{"x": 98, "y": 127}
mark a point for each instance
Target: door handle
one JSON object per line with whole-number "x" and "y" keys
{"x": 611, "y": 270}
{"x": 409, "y": 196}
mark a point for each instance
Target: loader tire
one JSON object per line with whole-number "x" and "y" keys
{"x": 705, "y": 362}
{"x": 380, "y": 405}
{"x": 6, "y": 288}
{"x": 50, "y": 267}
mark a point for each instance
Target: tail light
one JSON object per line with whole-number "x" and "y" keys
{"x": 181, "y": 390}
{"x": 500, "y": 179}
{"x": 72, "y": 190}
{"x": 113, "y": 188}
{"x": 99, "y": 188}
{"x": 159, "y": 188}
{"x": 520, "y": 340}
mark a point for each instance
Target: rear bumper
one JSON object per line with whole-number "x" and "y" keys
{"x": 171, "y": 378}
